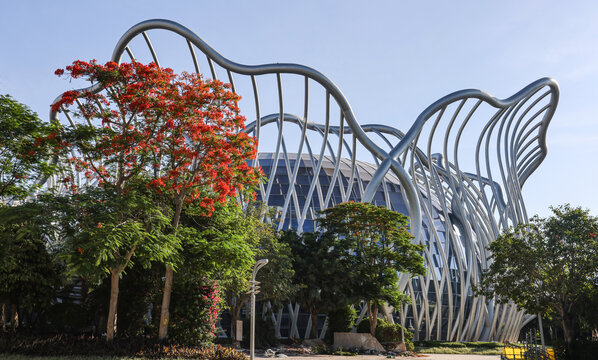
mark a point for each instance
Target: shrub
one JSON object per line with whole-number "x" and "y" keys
{"x": 484, "y": 344}
{"x": 67, "y": 318}
{"x": 342, "y": 319}
{"x": 364, "y": 325}
{"x": 579, "y": 350}
{"x": 66, "y": 345}
{"x": 194, "y": 311}
{"x": 445, "y": 344}
{"x": 391, "y": 333}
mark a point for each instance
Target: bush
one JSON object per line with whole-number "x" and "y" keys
{"x": 342, "y": 320}
{"x": 66, "y": 345}
{"x": 364, "y": 325}
{"x": 194, "y": 311}
{"x": 391, "y": 333}
{"x": 386, "y": 332}
{"x": 67, "y": 318}
{"x": 580, "y": 350}
{"x": 484, "y": 344}
{"x": 445, "y": 344}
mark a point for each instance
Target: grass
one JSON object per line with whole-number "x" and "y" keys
{"x": 462, "y": 350}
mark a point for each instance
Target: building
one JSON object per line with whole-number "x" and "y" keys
{"x": 457, "y": 172}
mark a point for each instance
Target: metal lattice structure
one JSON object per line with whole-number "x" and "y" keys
{"x": 457, "y": 172}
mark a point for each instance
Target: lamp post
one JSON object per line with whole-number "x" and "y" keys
{"x": 254, "y": 290}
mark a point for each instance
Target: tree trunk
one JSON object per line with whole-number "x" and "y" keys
{"x": 112, "y": 310}
{"x": 235, "y": 314}
{"x": 15, "y": 317}
{"x": 373, "y": 314}
{"x": 3, "y": 316}
{"x": 164, "y": 311}
{"x": 314, "y": 325}
{"x": 568, "y": 322}
{"x": 387, "y": 313}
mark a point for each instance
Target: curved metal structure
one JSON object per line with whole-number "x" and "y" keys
{"x": 457, "y": 172}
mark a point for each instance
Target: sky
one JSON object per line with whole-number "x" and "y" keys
{"x": 391, "y": 59}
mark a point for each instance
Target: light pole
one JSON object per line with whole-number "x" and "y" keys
{"x": 254, "y": 290}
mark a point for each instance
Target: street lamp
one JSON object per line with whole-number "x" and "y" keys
{"x": 254, "y": 289}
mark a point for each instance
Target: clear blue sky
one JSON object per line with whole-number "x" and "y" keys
{"x": 390, "y": 58}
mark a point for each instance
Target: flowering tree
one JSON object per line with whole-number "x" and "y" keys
{"x": 382, "y": 247}
{"x": 180, "y": 132}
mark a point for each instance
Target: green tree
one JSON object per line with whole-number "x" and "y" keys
{"x": 20, "y": 133}
{"x": 549, "y": 266}
{"x": 324, "y": 274}
{"x": 104, "y": 231}
{"x": 226, "y": 247}
{"x": 382, "y": 247}
{"x": 29, "y": 273}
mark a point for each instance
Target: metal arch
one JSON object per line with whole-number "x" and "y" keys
{"x": 463, "y": 210}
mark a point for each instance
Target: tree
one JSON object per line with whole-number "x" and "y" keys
{"x": 324, "y": 273}
{"x": 104, "y": 232}
{"x": 382, "y": 248}
{"x": 20, "y": 132}
{"x": 247, "y": 223}
{"x": 29, "y": 272}
{"x": 180, "y": 131}
{"x": 548, "y": 266}
{"x": 20, "y": 166}
{"x": 106, "y": 139}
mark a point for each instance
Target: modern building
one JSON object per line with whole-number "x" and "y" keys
{"x": 457, "y": 172}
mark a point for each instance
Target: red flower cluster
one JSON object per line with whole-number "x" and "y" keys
{"x": 182, "y": 131}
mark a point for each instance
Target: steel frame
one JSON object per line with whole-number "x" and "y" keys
{"x": 456, "y": 207}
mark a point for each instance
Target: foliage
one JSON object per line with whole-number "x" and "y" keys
{"x": 29, "y": 272}
{"x": 227, "y": 246}
{"x": 195, "y": 310}
{"x": 364, "y": 325}
{"x": 392, "y": 333}
{"x": 341, "y": 319}
{"x": 323, "y": 272}
{"x": 180, "y": 132}
{"x": 577, "y": 350}
{"x": 20, "y": 133}
{"x": 104, "y": 231}
{"x": 64, "y": 345}
{"x": 549, "y": 266}
{"x": 180, "y": 129}
{"x": 67, "y": 318}
{"x": 139, "y": 289}
{"x": 382, "y": 247}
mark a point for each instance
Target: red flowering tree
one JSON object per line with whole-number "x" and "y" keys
{"x": 178, "y": 132}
